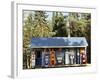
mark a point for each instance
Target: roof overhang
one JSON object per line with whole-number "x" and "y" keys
{"x": 58, "y": 42}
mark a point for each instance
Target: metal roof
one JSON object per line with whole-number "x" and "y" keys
{"x": 47, "y": 42}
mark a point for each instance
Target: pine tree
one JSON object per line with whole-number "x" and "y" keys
{"x": 59, "y": 25}
{"x": 28, "y": 23}
{"x": 41, "y": 27}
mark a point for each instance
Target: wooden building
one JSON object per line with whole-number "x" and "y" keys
{"x": 58, "y": 51}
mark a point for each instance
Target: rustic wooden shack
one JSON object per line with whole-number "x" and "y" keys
{"x": 65, "y": 51}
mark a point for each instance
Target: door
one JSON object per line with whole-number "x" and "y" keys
{"x": 38, "y": 58}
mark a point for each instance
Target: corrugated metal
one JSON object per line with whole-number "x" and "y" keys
{"x": 58, "y": 41}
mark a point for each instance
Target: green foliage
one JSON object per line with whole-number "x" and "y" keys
{"x": 59, "y": 26}
{"x": 79, "y": 24}
{"x": 41, "y": 27}
{"x": 28, "y": 23}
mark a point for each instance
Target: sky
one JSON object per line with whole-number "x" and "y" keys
{"x": 49, "y": 13}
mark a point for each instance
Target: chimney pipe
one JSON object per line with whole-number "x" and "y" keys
{"x": 68, "y": 28}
